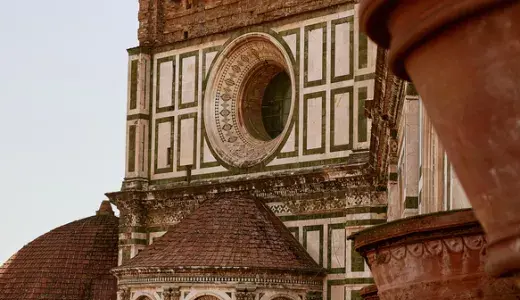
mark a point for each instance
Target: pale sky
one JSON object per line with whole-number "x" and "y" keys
{"x": 63, "y": 68}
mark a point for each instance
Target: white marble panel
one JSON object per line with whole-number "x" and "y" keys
{"x": 210, "y": 56}
{"x": 315, "y": 54}
{"x": 166, "y": 84}
{"x": 163, "y": 143}
{"x": 337, "y": 257}
{"x": 186, "y": 142}
{"x": 314, "y": 123}
{"x": 342, "y": 49}
{"x": 208, "y": 157}
{"x": 341, "y": 119}
{"x": 290, "y": 145}
{"x": 188, "y": 80}
{"x": 313, "y": 245}
{"x": 291, "y": 42}
{"x": 337, "y": 292}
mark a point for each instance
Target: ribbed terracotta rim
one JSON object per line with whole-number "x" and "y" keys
{"x": 377, "y": 15}
{"x": 417, "y": 228}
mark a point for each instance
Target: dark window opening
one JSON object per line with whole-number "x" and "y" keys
{"x": 276, "y": 104}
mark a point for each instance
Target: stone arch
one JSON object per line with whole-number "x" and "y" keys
{"x": 144, "y": 296}
{"x": 281, "y": 296}
{"x": 207, "y": 295}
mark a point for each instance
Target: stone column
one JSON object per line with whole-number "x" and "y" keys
{"x": 411, "y": 157}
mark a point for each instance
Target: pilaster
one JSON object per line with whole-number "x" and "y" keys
{"x": 411, "y": 157}
{"x": 133, "y": 236}
{"x": 138, "y": 118}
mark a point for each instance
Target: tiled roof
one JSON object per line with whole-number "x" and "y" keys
{"x": 227, "y": 232}
{"x": 71, "y": 262}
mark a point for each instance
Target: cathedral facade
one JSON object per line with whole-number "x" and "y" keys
{"x": 262, "y": 99}
{"x": 261, "y": 138}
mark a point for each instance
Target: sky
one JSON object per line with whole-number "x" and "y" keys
{"x": 63, "y": 70}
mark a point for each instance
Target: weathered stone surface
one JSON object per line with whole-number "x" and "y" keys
{"x": 166, "y": 22}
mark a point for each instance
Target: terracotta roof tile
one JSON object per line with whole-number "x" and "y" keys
{"x": 70, "y": 262}
{"x": 227, "y": 232}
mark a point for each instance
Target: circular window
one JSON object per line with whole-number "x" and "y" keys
{"x": 249, "y": 100}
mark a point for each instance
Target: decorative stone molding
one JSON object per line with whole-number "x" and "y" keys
{"x": 123, "y": 294}
{"x": 245, "y": 296}
{"x": 172, "y": 294}
{"x": 389, "y": 92}
{"x": 314, "y": 296}
{"x": 152, "y": 276}
{"x": 425, "y": 256}
{"x": 234, "y": 93}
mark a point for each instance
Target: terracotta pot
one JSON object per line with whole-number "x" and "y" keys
{"x": 464, "y": 58}
{"x": 369, "y": 292}
{"x": 435, "y": 256}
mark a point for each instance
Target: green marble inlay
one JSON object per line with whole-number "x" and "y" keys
{"x": 306, "y": 98}
{"x": 132, "y": 134}
{"x": 331, "y": 270}
{"x": 357, "y": 261}
{"x": 133, "y": 84}
{"x": 295, "y": 231}
{"x": 410, "y": 89}
{"x": 362, "y": 120}
{"x": 363, "y": 51}
{"x": 323, "y": 79}
{"x": 355, "y": 295}
{"x": 168, "y": 60}
{"x": 334, "y": 24}
{"x": 195, "y": 99}
{"x": 318, "y": 228}
{"x": 411, "y": 202}
{"x": 167, "y": 169}
{"x": 333, "y": 93}
{"x": 194, "y": 140}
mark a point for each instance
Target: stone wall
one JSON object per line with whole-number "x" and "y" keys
{"x": 169, "y": 138}
{"x": 164, "y": 22}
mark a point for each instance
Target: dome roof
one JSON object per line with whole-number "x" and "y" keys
{"x": 231, "y": 232}
{"x": 70, "y": 262}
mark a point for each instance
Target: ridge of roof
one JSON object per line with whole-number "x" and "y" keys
{"x": 228, "y": 232}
